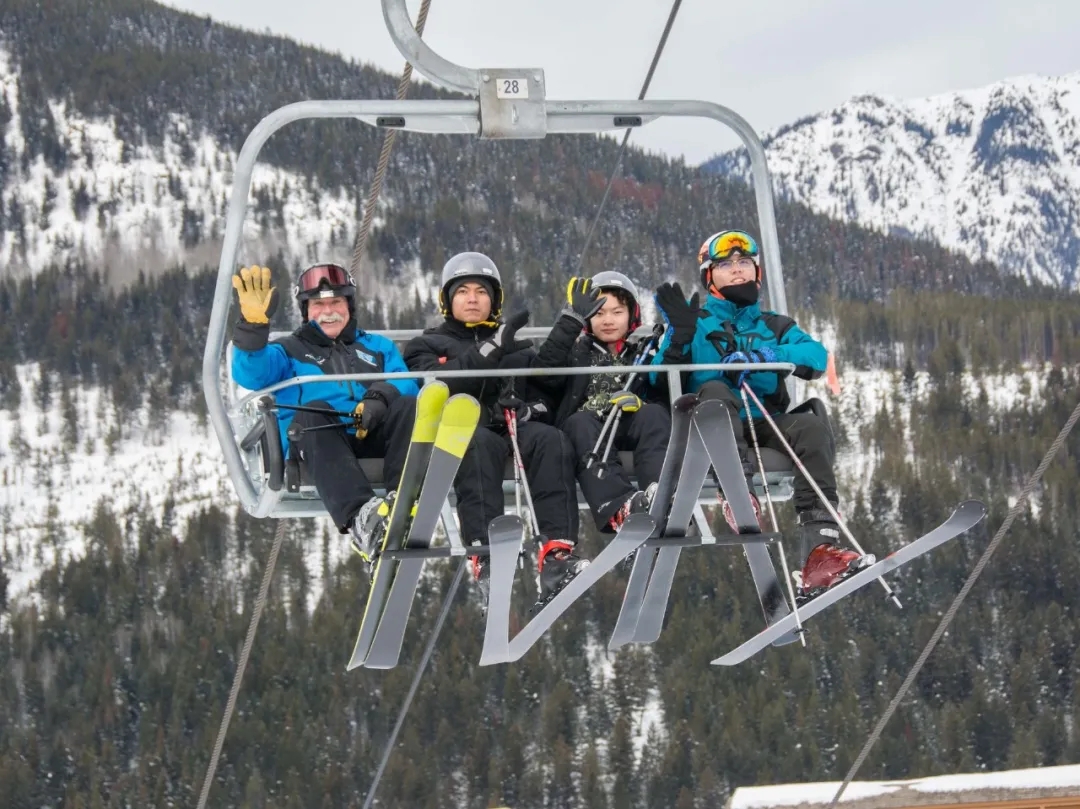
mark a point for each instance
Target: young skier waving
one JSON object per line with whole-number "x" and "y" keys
{"x": 731, "y": 327}
{"x": 595, "y": 329}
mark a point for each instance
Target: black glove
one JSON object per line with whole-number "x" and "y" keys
{"x": 524, "y": 410}
{"x": 503, "y": 340}
{"x": 582, "y": 300}
{"x": 371, "y": 412}
{"x": 680, "y": 315}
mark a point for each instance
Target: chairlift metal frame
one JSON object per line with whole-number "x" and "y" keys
{"x": 506, "y": 103}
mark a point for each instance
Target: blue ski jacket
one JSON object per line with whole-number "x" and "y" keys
{"x": 723, "y": 328}
{"x": 309, "y": 352}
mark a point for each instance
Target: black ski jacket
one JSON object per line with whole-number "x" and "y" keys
{"x": 568, "y": 347}
{"x": 452, "y": 346}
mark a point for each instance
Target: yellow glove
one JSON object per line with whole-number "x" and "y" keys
{"x": 258, "y": 299}
{"x": 626, "y": 401}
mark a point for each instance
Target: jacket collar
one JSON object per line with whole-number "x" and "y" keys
{"x": 458, "y": 329}
{"x": 726, "y": 310}
{"x": 311, "y": 333}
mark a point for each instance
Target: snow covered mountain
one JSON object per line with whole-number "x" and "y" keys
{"x": 992, "y": 172}
{"x": 108, "y": 201}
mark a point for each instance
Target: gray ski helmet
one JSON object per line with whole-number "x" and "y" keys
{"x": 470, "y": 265}
{"x": 611, "y": 280}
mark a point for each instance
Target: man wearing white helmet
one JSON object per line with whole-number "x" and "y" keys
{"x": 329, "y": 342}
{"x": 595, "y": 329}
{"x": 475, "y": 336}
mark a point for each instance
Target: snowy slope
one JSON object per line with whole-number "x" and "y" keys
{"x": 966, "y": 788}
{"x": 127, "y": 206}
{"x": 992, "y": 172}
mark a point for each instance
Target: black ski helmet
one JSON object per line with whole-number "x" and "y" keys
{"x": 611, "y": 280}
{"x": 324, "y": 281}
{"x": 468, "y": 265}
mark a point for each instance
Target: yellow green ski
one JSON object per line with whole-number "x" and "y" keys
{"x": 459, "y": 420}
{"x": 429, "y": 408}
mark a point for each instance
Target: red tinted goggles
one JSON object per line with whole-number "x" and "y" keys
{"x": 332, "y": 275}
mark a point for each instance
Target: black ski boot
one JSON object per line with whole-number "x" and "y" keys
{"x": 369, "y": 529}
{"x": 557, "y": 564}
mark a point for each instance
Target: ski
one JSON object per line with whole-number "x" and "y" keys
{"x": 967, "y": 515}
{"x": 498, "y": 648}
{"x": 692, "y": 477}
{"x": 505, "y": 536}
{"x": 429, "y": 406}
{"x": 634, "y": 595}
{"x": 714, "y": 424}
{"x": 456, "y": 426}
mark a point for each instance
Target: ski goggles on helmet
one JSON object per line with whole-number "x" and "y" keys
{"x": 722, "y": 246}
{"x": 321, "y": 276}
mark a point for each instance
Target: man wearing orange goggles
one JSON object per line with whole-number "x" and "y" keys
{"x": 730, "y": 327}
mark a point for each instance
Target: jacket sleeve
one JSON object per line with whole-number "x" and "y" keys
{"x": 668, "y": 353}
{"x": 557, "y": 352}
{"x": 421, "y": 354}
{"x": 809, "y": 356}
{"x": 554, "y": 352}
{"x": 395, "y": 363}
{"x": 255, "y": 370}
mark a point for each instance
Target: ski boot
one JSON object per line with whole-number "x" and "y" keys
{"x": 369, "y": 529}
{"x": 827, "y": 563}
{"x": 481, "y": 574}
{"x": 725, "y": 507}
{"x": 637, "y": 503}
{"x": 556, "y": 565}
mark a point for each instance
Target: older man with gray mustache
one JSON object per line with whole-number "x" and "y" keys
{"x": 330, "y": 342}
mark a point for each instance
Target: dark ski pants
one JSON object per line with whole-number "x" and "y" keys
{"x": 607, "y": 486}
{"x": 805, "y": 432}
{"x": 331, "y": 456}
{"x": 549, "y": 471}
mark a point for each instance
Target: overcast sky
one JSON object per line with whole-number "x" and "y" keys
{"x": 772, "y": 61}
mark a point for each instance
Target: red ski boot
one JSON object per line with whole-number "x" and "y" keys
{"x": 556, "y": 564}
{"x": 827, "y": 565}
{"x": 725, "y": 507}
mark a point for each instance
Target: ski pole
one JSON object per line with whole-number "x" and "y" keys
{"x": 817, "y": 489}
{"x": 592, "y": 457}
{"x": 519, "y": 466}
{"x": 307, "y": 409}
{"x": 611, "y": 425}
{"x": 775, "y": 524}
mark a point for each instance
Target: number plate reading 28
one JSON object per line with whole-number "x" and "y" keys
{"x": 512, "y": 88}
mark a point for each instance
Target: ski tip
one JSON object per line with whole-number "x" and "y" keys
{"x": 460, "y": 415}
{"x": 686, "y": 402}
{"x": 973, "y": 507}
{"x": 505, "y": 523}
